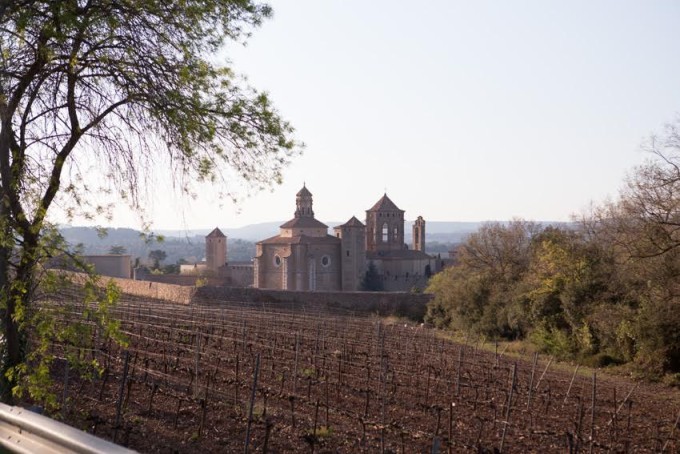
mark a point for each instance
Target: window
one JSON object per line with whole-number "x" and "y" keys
{"x": 277, "y": 261}
{"x": 325, "y": 261}
{"x": 396, "y": 234}
{"x": 347, "y": 252}
{"x": 385, "y": 233}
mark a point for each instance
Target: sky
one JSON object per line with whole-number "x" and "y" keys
{"x": 459, "y": 110}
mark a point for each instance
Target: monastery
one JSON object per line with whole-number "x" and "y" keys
{"x": 303, "y": 256}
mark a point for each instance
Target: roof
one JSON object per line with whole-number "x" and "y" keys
{"x": 400, "y": 254}
{"x": 216, "y": 233}
{"x": 353, "y": 222}
{"x": 301, "y": 239}
{"x": 385, "y": 204}
{"x": 304, "y": 191}
{"x": 304, "y": 222}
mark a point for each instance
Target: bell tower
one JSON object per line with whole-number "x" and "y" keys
{"x": 352, "y": 236}
{"x": 384, "y": 226}
{"x": 419, "y": 234}
{"x": 303, "y": 203}
{"x": 215, "y": 249}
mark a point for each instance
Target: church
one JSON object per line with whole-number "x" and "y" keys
{"x": 304, "y": 257}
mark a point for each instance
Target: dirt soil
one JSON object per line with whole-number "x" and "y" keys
{"x": 346, "y": 383}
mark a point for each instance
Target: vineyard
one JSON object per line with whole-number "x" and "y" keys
{"x": 267, "y": 378}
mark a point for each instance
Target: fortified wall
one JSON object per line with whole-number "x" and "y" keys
{"x": 399, "y": 304}
{"x": 145, "y": 289}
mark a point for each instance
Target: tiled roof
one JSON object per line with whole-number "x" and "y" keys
{"x": 353, "y": 222}
{"x": 216, "y": 233}
{"x": 401, "y": 254}
{"x": 304, "y": 192}
{"x": 301, "y": 239}
{"x": 304, "y": 222}
{"x": 385, "y": 204}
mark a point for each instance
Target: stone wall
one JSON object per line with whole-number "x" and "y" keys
{"x": 399, "y": 304}
{"x": 146, "y": 289}
{"x": 383, "y": 303}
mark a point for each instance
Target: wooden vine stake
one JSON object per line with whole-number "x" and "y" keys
{"x": 121, "y": 392}
{"x": 252, "y": 402}
{"x": 592, "y": 414}
{"x": 460, "y": 364}
{"x": 670, "y": 437}
{"x": 571, "y": 383}
{"x": 531, "y": 381}
{"x": 197, "y": 360}
{"x": 507, "y": 411}
{"x": 543, "y": 374}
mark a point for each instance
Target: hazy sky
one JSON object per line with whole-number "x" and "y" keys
{"x": 461, "y": 110}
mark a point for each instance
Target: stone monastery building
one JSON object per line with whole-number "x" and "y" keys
{"x": 303, "y": 256}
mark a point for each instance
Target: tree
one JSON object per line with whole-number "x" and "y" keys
{"x": 157, "y": 255}
{"x": 372, "y": 281}
{"x": 480, "y": 293}
{"x": 643, "y": 228}
{"x": 117, "y": 250}
{"x": 116, "y": 86}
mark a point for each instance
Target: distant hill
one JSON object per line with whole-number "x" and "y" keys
{"x": 435, "y": 230}
{"x": 188, "y": 248}
{"x": 189, "y": 245}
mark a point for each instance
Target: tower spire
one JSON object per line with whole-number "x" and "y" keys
{"x": 303, "y": 203}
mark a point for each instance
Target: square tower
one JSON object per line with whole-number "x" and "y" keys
{"x": 384, "y": 226}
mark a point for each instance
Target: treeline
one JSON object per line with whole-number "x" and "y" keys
{"x": 603, "y": 290}
{"x": 91, "y": 240}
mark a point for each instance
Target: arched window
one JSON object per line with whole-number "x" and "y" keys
{"x": 395, "y": 236}
{"x": 385, "y": 233}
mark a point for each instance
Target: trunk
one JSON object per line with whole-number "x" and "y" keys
{"x": 15, "y": 342}
{"x": 5, "y": 394}
{"x": 17, "y": 290}
{"x": 9, "y": 329}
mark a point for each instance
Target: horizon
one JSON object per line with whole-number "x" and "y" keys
{"x": 330, "y": 224}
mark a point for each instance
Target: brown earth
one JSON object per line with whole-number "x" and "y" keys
{"x": 346, "y": 383}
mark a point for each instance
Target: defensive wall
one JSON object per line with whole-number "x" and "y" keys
{"x": 146, "y": 289}
{"x": 402, "y": 304}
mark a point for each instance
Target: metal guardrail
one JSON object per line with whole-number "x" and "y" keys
{"x": 23, "y": 431}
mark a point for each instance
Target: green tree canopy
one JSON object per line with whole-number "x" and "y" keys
{"x": 371, "y": 281}
{"x": 117, "y": 250}
{"x": 157, "y": 256}
{"x": 605, "y": 289}
{"x": 118, "y": 87}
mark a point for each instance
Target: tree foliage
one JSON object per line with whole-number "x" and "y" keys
{"x": 157, "y": 256}
{"x": 604, "y": 290}
{"x": 116, "y": 88}
{"x": 372, "y": 281}
{"x": 117, "y": 250}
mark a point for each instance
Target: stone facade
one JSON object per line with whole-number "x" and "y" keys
{"x": 352, "y": 236}
{"x": 419, "y": 234}
{"x": 303, "y": 257}
{"x": 112, "y": 265}
{"x": 216, "y": 269}
{"x": 215, "y": 250}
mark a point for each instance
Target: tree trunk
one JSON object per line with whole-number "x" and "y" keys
{"x": 8, "y": 330}
{"x": 16, "y": 289}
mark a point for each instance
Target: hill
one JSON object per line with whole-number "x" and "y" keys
{"x": 189, "y": 245}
